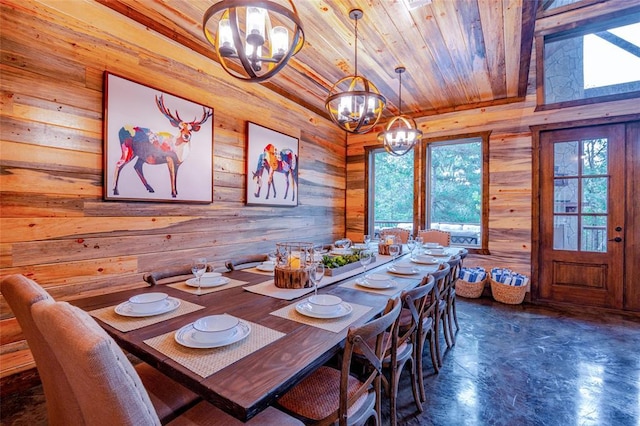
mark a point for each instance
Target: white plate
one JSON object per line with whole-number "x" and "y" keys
{"x": 186, "y": 336}
{"x": 125, "y": 308}
{"x": 376, "y": 285}
{"x": 394, "y": 271}
{"x": 206, "y": 283}
{"x": 265, "y": 268}
{"x": 429, "y": 247}
{"x": 306, "y": 309}
{"x": 424, "y": 262}
{"x": 341, "y": 252}
{"x": 430, "y": 253}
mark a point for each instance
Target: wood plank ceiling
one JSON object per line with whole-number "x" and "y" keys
{"x": 459, "y": 54}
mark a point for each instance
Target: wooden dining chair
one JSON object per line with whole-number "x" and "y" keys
{"x": 400, "y": 342}
{"x": 435, "y": 236}
{"x": 105, "y": 385}
{"x": 167, "y": 396}
{"x": 329, "y": 395}
{"x": 439, "y": 315}
{"x": 419, "y": 304}
{"x": 401, "y": 233}
{"x": 245, "y": 262}
{"x": 455, "y": 263}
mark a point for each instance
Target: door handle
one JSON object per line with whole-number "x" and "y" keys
{"x": 616, "y": 239}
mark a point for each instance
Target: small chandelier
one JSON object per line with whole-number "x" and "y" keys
{"x": 248, "y": 47}
{"x": 401, "y": 133}
{"x": 354, "y": 103}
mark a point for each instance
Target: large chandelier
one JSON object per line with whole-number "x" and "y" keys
{"x": 354, "y": 103}
{"x": 248, "y": 47}
{"x": 401, "y": 133}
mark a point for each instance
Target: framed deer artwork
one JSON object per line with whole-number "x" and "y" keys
{"x": 157, "y": 146}
{"x": 272, "y": 167}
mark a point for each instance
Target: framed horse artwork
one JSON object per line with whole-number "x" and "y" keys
{"x": 272, "y": 167}
{"x": 157, "y": 146}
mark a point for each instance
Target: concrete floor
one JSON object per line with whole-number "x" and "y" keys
{"x": 511, "y": 365}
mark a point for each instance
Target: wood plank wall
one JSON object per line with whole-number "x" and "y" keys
{"x": 55, "y": 226}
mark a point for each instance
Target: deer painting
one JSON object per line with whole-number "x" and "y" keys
{"x": 158, "y": 147}
{"x": 285, "y": 162}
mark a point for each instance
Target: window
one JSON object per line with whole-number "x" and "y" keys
{"x": 391, "y": 194}
{"x": 592, "y": 63}
{"x": 456, "y": 189}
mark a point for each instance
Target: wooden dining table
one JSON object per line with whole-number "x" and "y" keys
{"x": 252, "y": 382}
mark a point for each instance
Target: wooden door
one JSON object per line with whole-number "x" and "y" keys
{"x": 582, "y": 216}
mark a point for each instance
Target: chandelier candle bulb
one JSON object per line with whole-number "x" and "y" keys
{"x": 248, "y": 47}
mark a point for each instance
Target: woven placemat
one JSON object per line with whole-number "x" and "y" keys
{"x": 124, "y": 324}
{"x": 401, "y": 284}
{"x": 258, "y": 271}
{"x": 205, "y": 362}
{"x": 182, "y": 286}
{"x": 330, "y": 324}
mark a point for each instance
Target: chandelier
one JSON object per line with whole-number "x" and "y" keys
{"x": 354, "y": 103}
{"x": 401, "y": 133}
{"x": 248, "y": 47}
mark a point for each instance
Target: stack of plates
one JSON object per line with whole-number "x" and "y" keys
{"x": 128, "y": 309}
{"x": 208, "y": 281}
{"x": 190, "y": 337}
{"x": 376, "y": 281}
{"x": 312, "y": 310}
{"x": 403, "y": 270}
{"x": 426, "y": 260}
{"x": 267, "y": 266}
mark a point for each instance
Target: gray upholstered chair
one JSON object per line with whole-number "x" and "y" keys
{"x": 167, "y": 396}
{"x": 105, "y": 385}
{"x": 329, "y": 395}
{"x": 21, "y": 294}
{"x": 435, "y": 236}
{"x": 402, "y": 234}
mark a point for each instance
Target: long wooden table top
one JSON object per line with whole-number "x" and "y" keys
{"x": 252, "y": 383}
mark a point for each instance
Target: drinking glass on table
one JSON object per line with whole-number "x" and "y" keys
{"x": 394, "y": 251}
{"x": 365, "y": 259}
{"x": 199, "y": 267}
{"x": 411, "y": 244}
{"x": 419, "y": 244}
{"x": 316, "y": 272}
{"x": 367, "y": 239}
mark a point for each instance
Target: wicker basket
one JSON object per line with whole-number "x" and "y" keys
{"x": 509, "y": 294}
{"x": 470, "y": 290}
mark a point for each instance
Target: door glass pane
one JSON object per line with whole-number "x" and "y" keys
{"x": 565, "y": 159}
{"x": 594, "y": 195}
{"x": 565, "y": 236}
{"x": 565, "y": 196}
{"x": 594, "y": 157}
{"x": 594, "y": 233}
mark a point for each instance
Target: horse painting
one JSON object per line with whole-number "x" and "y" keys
{"x": 158, "y": 147}
{"x": 272, "y": 161}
